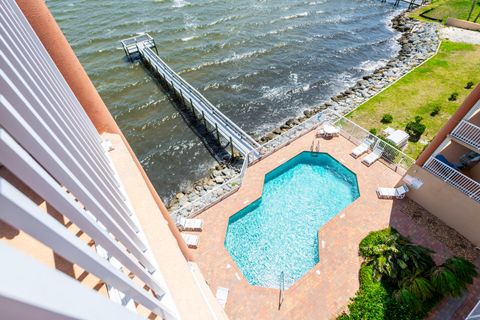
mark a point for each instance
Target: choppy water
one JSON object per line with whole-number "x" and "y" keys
{"x": 260, "y": 62}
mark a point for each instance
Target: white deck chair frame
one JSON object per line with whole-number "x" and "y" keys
{"x": 390, "y": 193}
{"x": 185, "y": 224}
{"x": 191, "y": 240}
{"x": 222, "y": 296}
{"x": 374, "y": 156}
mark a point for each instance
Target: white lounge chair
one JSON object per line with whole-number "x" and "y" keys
{"x": 191, "y": 240}
{"x": 390, "y": 193}
{"x": 184, "y": 224}
{"x": 372, "y": 157}
{"x": 222, "y": 295}
{"x": 361, "y": 149}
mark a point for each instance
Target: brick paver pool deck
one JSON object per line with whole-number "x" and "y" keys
{"x": 324, "y": 291}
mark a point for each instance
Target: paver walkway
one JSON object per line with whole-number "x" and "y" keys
{"x": 324, "y": 291}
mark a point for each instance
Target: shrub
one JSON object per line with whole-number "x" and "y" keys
{"x": 469, "y": 85}
{"x": 393, "y": 257}
{"x": 435, "y": 110}
{"x": 415, "y": 129}
{"x": 452, "y": 277}
{"x": 374, "y": 238}
{"x": 453, "y": 97}
{"x": 413, "y": 291}
{"x": 373, "y": 131}
{"x": 374, "y": 301}
{"x": 387, "y": 118}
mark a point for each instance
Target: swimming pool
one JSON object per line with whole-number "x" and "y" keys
{"x": 278, "y": 232}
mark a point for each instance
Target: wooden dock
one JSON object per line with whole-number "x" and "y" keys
{"x": 412, "y": 4}
{"x": 142, "y": 47}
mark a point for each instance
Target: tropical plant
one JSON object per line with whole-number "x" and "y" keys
{"x": 453, "y": 96}
{"x": 415, "y": 129}
{"x": 469, "y": 83}
{"x": 399, "y": 280}
{"x": 435, "y": 110}
{"x": 387, "y": 118}
{"x": 453, "y": 276}
{"x": 414, "y": 290}
{"x": 396, "y": 257}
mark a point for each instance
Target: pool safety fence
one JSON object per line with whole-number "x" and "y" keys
{"x": 391, "y": 157}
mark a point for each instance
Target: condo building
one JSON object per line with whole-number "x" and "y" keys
{"x": 83, "y": 232}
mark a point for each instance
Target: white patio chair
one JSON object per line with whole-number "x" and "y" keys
{"x": 222, "y": 296}
{"x": 191, "y": 240}
{"x": 374, "y": 156}
{"x": 184, "y": 224}
{"x": 390, "y": 193}
{"x": 361, "y": 149}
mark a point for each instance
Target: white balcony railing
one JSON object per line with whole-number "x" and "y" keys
{"x": 48, "y": 142}
{"x": 468, "y": 133}
{"x": 475, "y": 313}
{"x": 454, "y": 178}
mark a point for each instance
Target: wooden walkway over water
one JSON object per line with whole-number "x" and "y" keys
{"x": 141, "y": 47}
{"x": 412, "y": 4}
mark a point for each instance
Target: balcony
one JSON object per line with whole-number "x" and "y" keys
{"x": 456, "y": 179}
{"x": 467, "y": 133}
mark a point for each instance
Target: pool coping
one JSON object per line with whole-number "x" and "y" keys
{"x": 341, "y": 212}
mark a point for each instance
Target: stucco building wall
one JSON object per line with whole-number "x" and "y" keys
{"x": 447, "y": 203}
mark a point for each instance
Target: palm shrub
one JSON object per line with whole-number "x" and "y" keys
{"x": 399, "y": 280}
{"x": 453, "y": 276}
{"x": 393, "y": 257}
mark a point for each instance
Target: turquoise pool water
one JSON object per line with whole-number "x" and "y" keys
{"x": 278, "y": 232}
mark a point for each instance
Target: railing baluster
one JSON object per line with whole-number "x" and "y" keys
{"x": 453, "y": 177}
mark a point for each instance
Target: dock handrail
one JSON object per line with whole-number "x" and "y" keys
{"x": 142, "y": 47}
{"x": 201, "y": 98}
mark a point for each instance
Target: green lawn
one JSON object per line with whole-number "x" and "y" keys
{"x": 442, "y": 9}
{"x": 421, "y": 90}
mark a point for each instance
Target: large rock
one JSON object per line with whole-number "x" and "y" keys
{"x": 180, "y": 195}
{"x": 216, "y": 173}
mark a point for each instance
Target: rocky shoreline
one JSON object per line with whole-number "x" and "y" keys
{"x": 418, "y": 41}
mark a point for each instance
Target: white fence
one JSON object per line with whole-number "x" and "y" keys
{"x": 454, "y": 178}
{"x": 391, "y": 156}
{"x": 468, "y": 133}
{"x": 475, "y": 313}
{"x": 48, "y": 142}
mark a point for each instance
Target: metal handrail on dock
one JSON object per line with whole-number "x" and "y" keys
{"x": 141, "y": 46}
